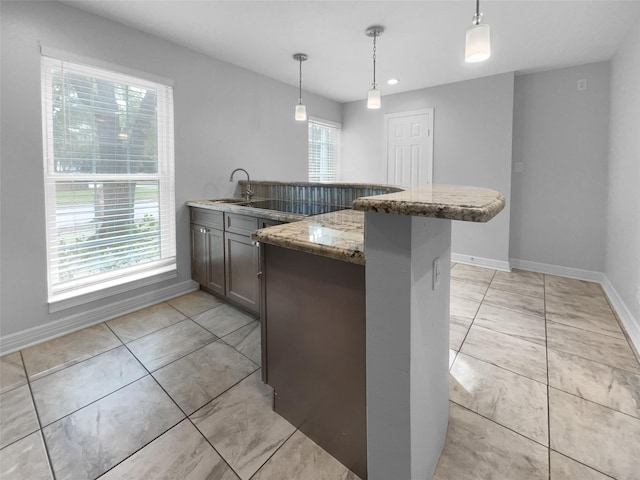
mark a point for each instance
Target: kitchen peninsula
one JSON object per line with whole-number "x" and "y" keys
{"x": 356, "y": 321}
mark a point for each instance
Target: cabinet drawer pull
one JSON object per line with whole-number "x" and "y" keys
{"x": 259, "y": 274}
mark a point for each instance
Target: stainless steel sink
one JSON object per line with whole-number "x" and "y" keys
{"x": 241, "y": 201}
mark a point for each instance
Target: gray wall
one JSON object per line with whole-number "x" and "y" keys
{"x": 558, "y": 210}
{"x": 472, "y": 146}
{"x": 225, "y": 117}
{"x": 622, "y": 262}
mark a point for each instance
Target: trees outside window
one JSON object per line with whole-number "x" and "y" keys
{"x": 109, "y": 177}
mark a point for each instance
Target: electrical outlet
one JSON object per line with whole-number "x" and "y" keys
{"x": 519, "y": 167}
{"x": 436, "y": 273}
{"x": 582, "y": 84}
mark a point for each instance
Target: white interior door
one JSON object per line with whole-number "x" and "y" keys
{"x": 409, "y": 148}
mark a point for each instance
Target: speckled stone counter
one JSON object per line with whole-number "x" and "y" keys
{"x": 246, "y": 210}
{"x": 338, "y": 235}
{"x": 469, "y": 204}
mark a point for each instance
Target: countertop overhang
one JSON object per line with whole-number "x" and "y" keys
{"x": 453, "y": 202}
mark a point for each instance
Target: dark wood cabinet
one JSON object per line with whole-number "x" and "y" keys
{"x": 224, "y": 259}
{"x": 207, "y": 250}
{"x": 242, "y": 264}
{"x": 314, "y": 351}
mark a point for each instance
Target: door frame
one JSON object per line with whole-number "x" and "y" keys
{"x": 388, "y": 116}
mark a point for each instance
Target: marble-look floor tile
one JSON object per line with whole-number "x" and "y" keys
{"x": 247, "y": 341}
{"x": 201, "y": 376}
{"x": 452, "y": 357}
{"x": 477, "y": 448}
{"x": 164, "y": 346}
{"x": 564, "y": 468}
{"x": 458, "y": 329}
{"x": 511, "y": 400}
{"x": 68, "y": 390}
{"x": 90, "y": 441}
{"x": 585, "y": 313}
{"x": 303, "y": 459}
{"x": 463, "y": 308}
{"x": 17, "y": 415}
{"x": 25, "y": 459}
{"x": 519, "y": 356}
{"x": 470, "y": 291}
{"x": 223, "y": 320}
{"x": 56, "y": 354}
{"x": 12, "y": 373}
{"x": 608, "y": 386}
{"x": 145, "y": 321}
{"x": 594, "y": 435}
{"x": 520, "y": 276}
{"x": 467, "y": 273}
{"x": 516, "y": 324}
{"x": 243, "y": 427}
{"x": 194, "y": 303}
{"x": 181, "y": 453}
{"x": 521, "y": 288}
{"x": 568, "y": 286}
{"x": 612, "y": 351}
{"x": 514, "y": 301}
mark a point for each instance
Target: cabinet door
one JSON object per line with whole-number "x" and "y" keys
{"x": 199, "y": 253}
{"x": 215, "y": 266}
{"x": 242, "y": 266}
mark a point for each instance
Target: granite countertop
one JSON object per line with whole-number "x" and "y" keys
{"x": 470, "y": 204}
{"x": 338, "y": 235}
{"x": 246, "y": 210}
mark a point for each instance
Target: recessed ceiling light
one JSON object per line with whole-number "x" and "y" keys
{"x": 392, "y": 81}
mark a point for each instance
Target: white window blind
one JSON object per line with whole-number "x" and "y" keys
{"x": 109, "y": 178}
{"x": 324, "y": 150}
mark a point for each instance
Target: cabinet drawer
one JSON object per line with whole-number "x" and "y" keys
{"x": 208, "y": 218}
{"x": 240, "y": 223}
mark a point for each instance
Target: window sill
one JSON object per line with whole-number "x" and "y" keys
{"x": 99, "y": 292}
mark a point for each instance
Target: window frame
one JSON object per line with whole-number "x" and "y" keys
{"x": 84, "y": 290}
{"x": 338, "y": 147}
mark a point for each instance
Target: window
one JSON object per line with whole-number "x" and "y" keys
{"x": 109, "y": 179}
{"x": 324, "y": 150}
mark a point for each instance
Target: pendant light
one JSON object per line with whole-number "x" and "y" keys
{"x": 478, "y": 43}
{"x": 301, "y": 110}
{"x": 373, "y": 98}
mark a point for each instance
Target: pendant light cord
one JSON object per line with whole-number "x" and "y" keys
{"x": 374, "y": 61}
{"x": 477, "y": 18}
{"x": 300, "y": 83}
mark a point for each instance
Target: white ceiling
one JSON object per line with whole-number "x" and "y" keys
{"x": 423, "y": 44}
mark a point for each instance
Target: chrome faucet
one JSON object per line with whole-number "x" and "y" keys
{"x": 247, "y": 193}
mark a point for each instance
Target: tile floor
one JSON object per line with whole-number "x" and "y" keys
{"x": 543, "y": 384}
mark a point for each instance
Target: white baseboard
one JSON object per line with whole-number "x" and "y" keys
{"x": 481, "y": 262}
{"x": 577, "y": 273}
{"x": 78, "y": 321}
{"x": 630, "y": 323}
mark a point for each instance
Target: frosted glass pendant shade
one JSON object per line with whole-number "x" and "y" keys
{"x": 374, "y": 99}
{"x": 301, "y": 113}
{"x": 478, "y": 45}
